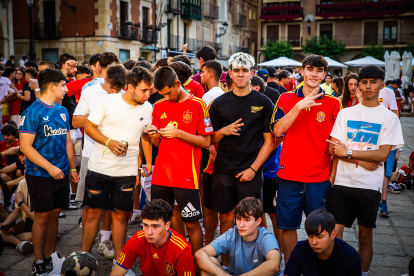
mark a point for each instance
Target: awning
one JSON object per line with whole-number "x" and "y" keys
{"x": 279, "y": 62}
{"x": 334, "y": 63}
{"x": 149, "y": 48}
{"x": 176, "y": 53}
{"x": 368, "y": 60}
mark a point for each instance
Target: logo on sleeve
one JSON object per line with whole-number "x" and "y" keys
{"x": 22, "y": 120}
{"x": 320, "y": 116}
{"x": 63, "y": 116}
{"x": 381, "y": 100}
{"x": 187, "y": 117}
{"x": 207, "y": 121}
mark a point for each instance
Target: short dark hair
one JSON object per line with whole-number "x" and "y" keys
{"x": 164, "y": 77}
{"x": 63, "y": 58}
{"x": 9, "y": 63}
{"x": 182, "y": 70}
{"x": 316, "y": 61}
{"x": 249, "y": 206}
{"x": 108, "y": 58}
{"x": 207, "y": 53}
{"x": 145, "y": 64}
{"x": 289, "y": 69}
{"x": 182, "y": 58}
{"x": 49, "y": 75}
{"x": 272, "y": 71}
{"x": 49, "y": 64}
{"x": 138, "y": 74}
{"x": 215, "y": 66}
{"x": 371, "y": 72}
{"x": 94, "y": 59}
{"x": 161, "y": 62}
{"x": 115, "y": 76}
{"x": 83, "y": 70}
{"x": 32, "y": 72}
{"x": 10, "y": 129}
{"x": 283, "y": 74}
{"x": 129, "y": 64}
{"x": 319, "y": 221}
{"x": 225, "y": 69}
{"x": 9, "y": 71}
{"x": 229, "y": 81}
{"x": 31, "y": 64}
{"x": 13, "y": 123}
{"x": 328, "y": 75}
{"x": 1, "y": 67}
{"x": 257, "y": 81}
{"x": 157, "y": 209}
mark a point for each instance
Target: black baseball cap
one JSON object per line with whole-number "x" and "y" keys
{"x": 271, "y": 71}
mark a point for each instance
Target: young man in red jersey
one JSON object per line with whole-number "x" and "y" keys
{"x": 305, "y": 117}
{"x": 183, "y": 123}
{"x": 162, "y": 250}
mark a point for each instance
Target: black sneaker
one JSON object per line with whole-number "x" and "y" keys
{"x": 39, "y": 269}
{"x": 72, "y": 199}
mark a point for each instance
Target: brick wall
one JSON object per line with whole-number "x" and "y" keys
{"x": 82, "y": 21}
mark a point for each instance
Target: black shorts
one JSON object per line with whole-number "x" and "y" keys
{"x": 207, "y": 190}
{"x": 346, "y": 204}
{"x": 228, "y": 190}
{"x": 108, "y": 192}
{"x": 47, "y": 193}
{"x": 188, "y": 200}
{"x": 205, "y": 156}
{"x": 269, "y": 195}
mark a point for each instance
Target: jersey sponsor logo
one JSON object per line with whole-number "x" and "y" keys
{"x": 155, "y": 256}
{"x": 46, "y": 119}
{"x": 163, "y": 116}
{"x": 49, "y": 131}
{"x": 187, "y": 117}
{"x": 320, "y": 116}
{"x": 22, "y": 120}
{"x": 189, "y": 211}
{"x": 381, "y": 100}
{"x": 63, "y": 116}
{"x": 207, "y": 121}
{"x": 169, "y": 269}
{"x": 256, "y": 109}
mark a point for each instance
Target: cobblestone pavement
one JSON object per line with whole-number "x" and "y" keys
{"x": 393, "y": 237}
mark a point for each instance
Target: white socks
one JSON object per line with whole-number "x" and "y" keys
{"x": 365, "y": 273}
{"x": 105, "y": 235}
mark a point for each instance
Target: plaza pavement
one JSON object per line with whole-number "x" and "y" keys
{"x": 393, "y": 237}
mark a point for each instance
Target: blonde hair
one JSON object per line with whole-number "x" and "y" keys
{"x": 239, "y": 60}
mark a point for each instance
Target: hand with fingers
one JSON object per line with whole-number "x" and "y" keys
{"x": 246, "y": 175}
{"x": 170, "y": 131}
{"x": 117, "y": 147}
{"x": 74, "y": 176}
{"x": 152, "y": 132}
{"x": 55, "y": 172}
{"x": 338, "y": 148}
{"x": 232, "y": 129}
{"x": 370, "y": 166}
{"x": 309, "y": 100}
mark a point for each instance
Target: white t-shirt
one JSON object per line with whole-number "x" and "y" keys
{"x": 365, "y": 128}
{"x": 119, "y": 121}
{"x": 212, "y": 94}
{"x": 88, "y": 101}
{"x": 387, "y": 98}
{"x": 4, "y": 87}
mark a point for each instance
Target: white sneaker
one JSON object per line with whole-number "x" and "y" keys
{"x": 106, "y": 249}
{"x": 25, "y": 247}
{"x": 135, "y": 218}
{"x": 129, "y": 273}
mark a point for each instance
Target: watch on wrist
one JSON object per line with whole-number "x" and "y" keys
{"x": 37, "y": 89}
{"x": 349, "y": 154}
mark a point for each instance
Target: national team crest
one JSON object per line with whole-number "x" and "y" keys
{"x": 169, "y": 269}
{"x": 320, "y": 116}
{"x": 187, "y": 117}
{"x": 63, "y": 116}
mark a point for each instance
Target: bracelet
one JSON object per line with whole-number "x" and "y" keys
{"x": 332, "y": 176}
{"x": 253, "y": 169}
{"x": 20, "y": 203}
{"x": 72, "y": 170}
{"x": 106, "y": 144}
{"x": 357, "y": 161}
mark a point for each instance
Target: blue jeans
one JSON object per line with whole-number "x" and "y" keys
{"x": 295, "y": 197}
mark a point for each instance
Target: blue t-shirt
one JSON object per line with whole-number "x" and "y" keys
{"x": 50, "y": 124}
{"x": 245, "y": 256}
{"x": 271, "y": 165}
{"x": 344, "y": 261}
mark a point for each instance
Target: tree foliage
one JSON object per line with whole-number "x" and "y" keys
{"x": 276, "y": 49}
{"x": 324, "y": 46}
{"x": 375, "y": 51}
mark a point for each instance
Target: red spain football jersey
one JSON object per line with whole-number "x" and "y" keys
{"x": 178, "y": 163}
{"x": 194, "y": 88}
{"x": 75, "y": 87}
{"x": 304, "y": 156}
{"x": 174, "y": 258}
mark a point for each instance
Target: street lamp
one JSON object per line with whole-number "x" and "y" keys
{"x": 309, "y": 27}
{"x": 225, "y": 25}
{"x": 31, "y": 44}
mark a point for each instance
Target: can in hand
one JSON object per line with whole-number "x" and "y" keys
{"x": 126, "y": 144}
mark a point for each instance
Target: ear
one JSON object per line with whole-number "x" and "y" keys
{"x": 301, "y": 70}
{"x": 258, "y": 221}
{"x": 167, "y": 225}
{"x": 51, "y": 86}
{"x": 333, "y": 234}
{"x": 382, "y": 84}
{"x": 252, "y": 73}
{"x": 177, "y": 83}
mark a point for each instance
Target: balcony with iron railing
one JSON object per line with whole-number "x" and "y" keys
{"x": 176, "y": 42}
{"x": 126, "y": 30}
{"x": 149, "y": 35}
{"x": 192, "y": 44}
{"x": 174, "y": 6}
{"x": 46, "y": 31}
{"x": 376, "y": 39}
{"x": 210, "y": 11}
{"x": 191, "y": 9}
{"x": 281, "y": 12}
{"x": 239, "y": 20}
{"x": 295, "y": 42}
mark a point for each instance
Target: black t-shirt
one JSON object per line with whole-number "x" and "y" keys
{"x": 70, "y": 104}
{"x": 25, "y": 104}
{"x": 277, "y": 86}
{"x": 152, "y": 100}
{"x": 237, "y": 153}
{"x": 272, "y": 94}
{"x": 344, "y": 261}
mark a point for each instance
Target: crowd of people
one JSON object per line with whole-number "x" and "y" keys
{"x": 198, "y": 159}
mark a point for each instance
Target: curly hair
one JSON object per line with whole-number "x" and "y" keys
{"x": 249, "y": 206}
{"x": 138, "y": 74}
{"x": 157, "y": 209}
{"x": 315, "y": 61}
{"x": 115, "y": 76}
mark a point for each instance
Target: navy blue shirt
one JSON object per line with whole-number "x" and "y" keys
{"x": 344, "y": 261}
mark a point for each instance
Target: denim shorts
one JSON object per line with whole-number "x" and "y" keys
{"x": 295, "y": 197}
{"x": 389, "y": 164}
